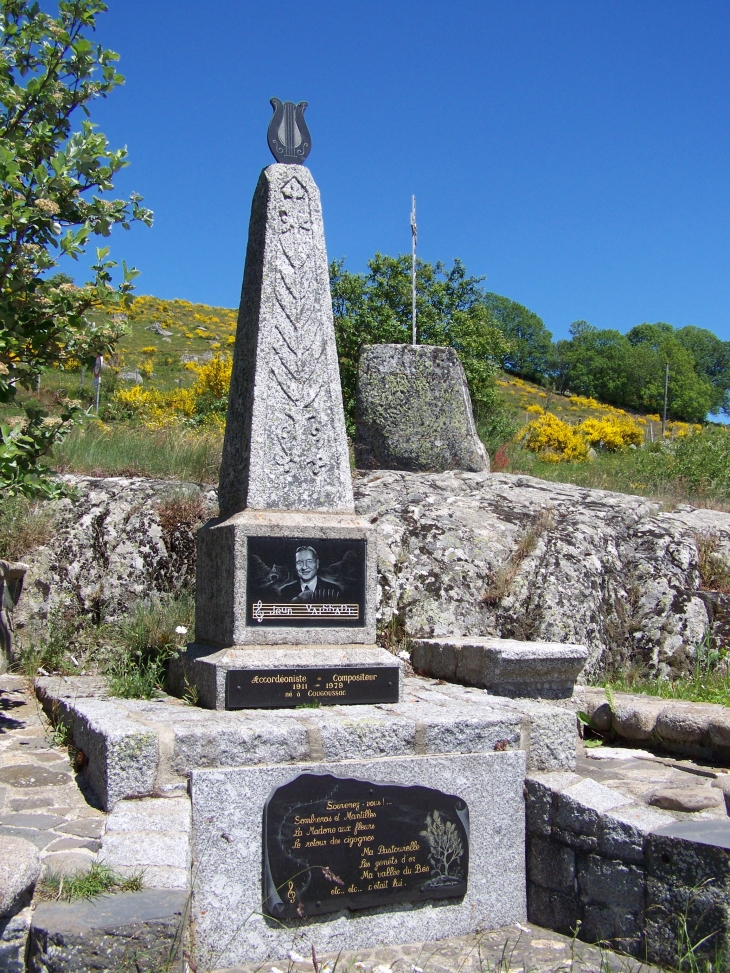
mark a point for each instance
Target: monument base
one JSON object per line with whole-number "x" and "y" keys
{"x": 269, "y": 677}
{"x": 228, "y": 809}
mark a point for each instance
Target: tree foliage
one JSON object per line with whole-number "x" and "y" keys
{"x": 629, "y": 370}
{"x": 52, "y": 186}
{"x": 375, "y": 308}
{"x": 54, "y": 178}
{"x": 530, "y": 342}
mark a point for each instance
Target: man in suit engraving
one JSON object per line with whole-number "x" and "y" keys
{"x": 310, "y": 587}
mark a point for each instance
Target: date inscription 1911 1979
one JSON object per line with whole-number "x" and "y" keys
{"x": 305, "y": 582}
{"x": 281, "y": 688}
{"x": 336, "y": 842}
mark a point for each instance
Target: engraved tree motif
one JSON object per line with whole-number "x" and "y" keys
{"x": 297, "y": 362}
{"x": 446, "y": 846}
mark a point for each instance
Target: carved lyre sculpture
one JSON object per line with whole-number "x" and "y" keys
{"x": 288, "y": 135}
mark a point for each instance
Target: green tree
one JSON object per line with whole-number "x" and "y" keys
{"x": 53, "y": 181}
{"x": 375, "y": 308}
{"x": 530, "y": 342}
{"x": 654, "y": 346}
{"x": 593, "y": 363}
{"x": 712, "y": 359}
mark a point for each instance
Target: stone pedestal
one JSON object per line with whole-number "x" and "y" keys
{"x": 234, "y": 573}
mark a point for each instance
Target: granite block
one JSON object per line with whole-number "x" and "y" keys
{"x": 227, "y": 814}
{"x": 413, "y": 411}
{"x": 506, "y": 667}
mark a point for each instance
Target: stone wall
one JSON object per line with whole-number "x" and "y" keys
{"x": 625, "y": 874}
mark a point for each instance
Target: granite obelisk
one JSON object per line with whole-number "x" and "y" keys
{"x": 285, "y": 445}
{"x": 286, "y": 576}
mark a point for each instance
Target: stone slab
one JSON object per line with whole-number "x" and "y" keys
{"x": 20, "y": 866}
{"x": 414, "y": 411}
{"x": 227, "y": 820}
{"x": 221, "y": 578}
{"x": 130, "y": 930}
{"x": 285, "y": 446}
{"x": 715, "y": 832}
{"x": 506, "y": 667}
{"x": 207, "y": 671}
{"x": 523, "y": 946}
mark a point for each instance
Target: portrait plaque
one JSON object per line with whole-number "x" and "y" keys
{"x": 279, "y": 688}
{"x": 332, "y": 843}
{"x": 305, "y": 582}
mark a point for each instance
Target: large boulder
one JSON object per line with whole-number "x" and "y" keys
{"x": 414, "y": 411}
{"x": 116, "y": 541}
{"x": 460, "y": 554}
{"x": 465, "y": 554}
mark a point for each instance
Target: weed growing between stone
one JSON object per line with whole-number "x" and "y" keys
{"x": 131, "y": 652}
{"x": 528, "y": 541}
{"x": 150, "y": 638}
{"x": 99, "y": 880}
{"x": 714, "y": 569}
{"x": 708, "y": 683}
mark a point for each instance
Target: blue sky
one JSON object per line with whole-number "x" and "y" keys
{"x": 574, "y": 153}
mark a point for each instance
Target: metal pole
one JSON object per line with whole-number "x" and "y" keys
{"x": 666, "y": 394}
{"x": 414, "y": 239}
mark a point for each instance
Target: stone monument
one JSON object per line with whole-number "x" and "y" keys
{"x": 398, "y": 816}
{"x": 414, "y": 411}
{"x": 286, "y": 576}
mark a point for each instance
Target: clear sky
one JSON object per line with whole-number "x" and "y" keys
{"x": 574, "y": 152}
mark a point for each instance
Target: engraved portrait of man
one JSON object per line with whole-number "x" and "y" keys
{"x": 309, "y": 586}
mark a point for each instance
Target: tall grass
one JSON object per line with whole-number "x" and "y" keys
{"x": 695, "y": 471}
{"x": 124, "y": 449}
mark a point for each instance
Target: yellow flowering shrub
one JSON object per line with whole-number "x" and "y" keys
{"x": 613, "y": 433}
{"x": 537, "y": 409}
{"x": 149, "y": 350}
{"x": 214, "y": 378}
{"x": 553, "y": 439}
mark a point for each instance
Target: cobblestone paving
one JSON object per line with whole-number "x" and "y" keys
{"x": 523, "y": 948}
{"x": 41, "y": 799}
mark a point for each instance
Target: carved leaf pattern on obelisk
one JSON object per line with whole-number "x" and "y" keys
{"x": 298, "y": 365}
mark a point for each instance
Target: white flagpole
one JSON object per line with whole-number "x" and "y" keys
{"x": 414, "y": 239}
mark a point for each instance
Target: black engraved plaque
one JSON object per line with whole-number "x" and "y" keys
{"x": 305, "y": 582}
{"x": 332, "y": 843}
{"x": 278, "y": 688}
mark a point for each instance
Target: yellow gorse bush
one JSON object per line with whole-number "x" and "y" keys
{"x": 612, "y": 433}
{"x": 553, "y": 439}
{"x": 156, "y": 409}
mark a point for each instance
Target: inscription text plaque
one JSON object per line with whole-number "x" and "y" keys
{"x": 333, "y": 843}
{"x": 305, "y": 582}
{"x": 280, "y": 688}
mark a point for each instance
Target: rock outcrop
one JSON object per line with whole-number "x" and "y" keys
{"x": 518, "y": 557}
{"x": 460, "y": 554}
{"x": 118, "y": 540}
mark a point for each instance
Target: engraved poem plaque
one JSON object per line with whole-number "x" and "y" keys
{"x": 332, "y": 843}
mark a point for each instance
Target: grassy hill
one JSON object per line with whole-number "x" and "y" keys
{"x": 163, "y": 408}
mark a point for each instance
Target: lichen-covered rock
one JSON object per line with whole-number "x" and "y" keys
{"x": 460, "y": 554}
{"x": 517, "y": 557}
{"x": 116, "y": 541}
{"x": 414, "y": 411}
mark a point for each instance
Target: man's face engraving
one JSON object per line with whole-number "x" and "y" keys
{"x": 307, "y": 564}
